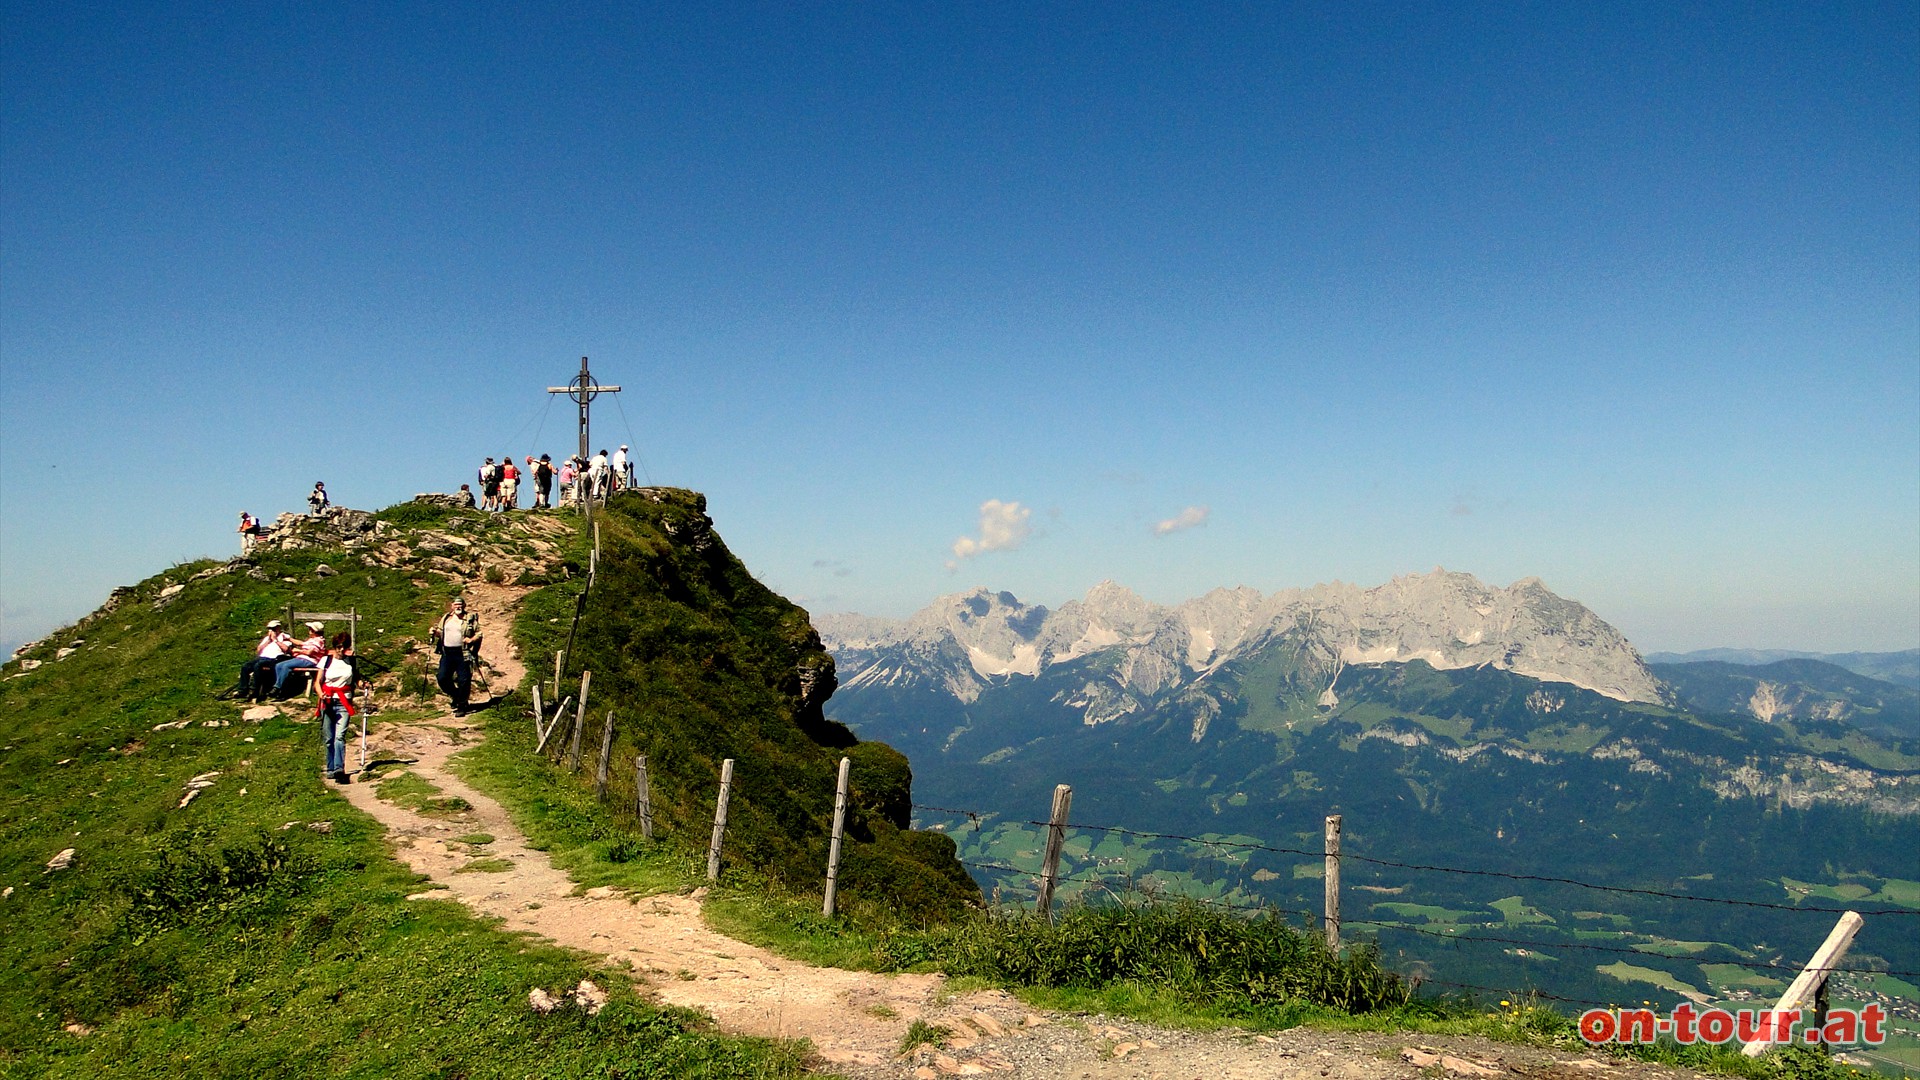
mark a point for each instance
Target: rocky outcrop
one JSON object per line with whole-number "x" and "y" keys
{"x": 1448, "y": 620}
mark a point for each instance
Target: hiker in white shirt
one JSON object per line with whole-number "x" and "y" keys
{"x": 457, "y": 635}
{"x": 622, "y": 469}
{"x": 335, "y": 711}
{"x": 256, "y": 675}
{"x": 597, "y": 476}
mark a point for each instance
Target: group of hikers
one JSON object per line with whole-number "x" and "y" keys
{"x": 579, "y": 480}
{"x": 251, "y": 529}
{"x": 272, "y": 673}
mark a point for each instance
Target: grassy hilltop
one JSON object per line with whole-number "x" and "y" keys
{"x": 260, "y": 928}
{"x": 183, "y": 896}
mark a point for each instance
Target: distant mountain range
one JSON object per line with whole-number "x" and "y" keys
{"x": 1506, "y": 730}
{"x": 1900, "y": 668}
{"x": 1812, "y": 693}
{"x": 1448, "y": 620}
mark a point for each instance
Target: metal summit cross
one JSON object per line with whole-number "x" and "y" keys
{"x": 583, "y": 390}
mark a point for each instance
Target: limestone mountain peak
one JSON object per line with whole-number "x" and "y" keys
{"x": 1446, "y": 618}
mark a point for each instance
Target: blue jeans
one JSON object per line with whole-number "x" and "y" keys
{"x": 456, "y": 675}
{"x": 335, "y": 728}
{"x": 285, "y": 668}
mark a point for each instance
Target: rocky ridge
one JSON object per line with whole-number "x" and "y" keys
{"x": 961, "y": 643}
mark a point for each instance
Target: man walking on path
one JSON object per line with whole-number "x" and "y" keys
{"x": 455, "y": 636}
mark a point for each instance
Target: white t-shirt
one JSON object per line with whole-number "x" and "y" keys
{"x": 453, "y": 631}
{"x": 336, "y": 673}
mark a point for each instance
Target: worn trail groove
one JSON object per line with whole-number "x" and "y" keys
{"x": 855, "y": 1020}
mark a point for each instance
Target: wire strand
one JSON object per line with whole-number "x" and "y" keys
{"x": 1238, "y": 845}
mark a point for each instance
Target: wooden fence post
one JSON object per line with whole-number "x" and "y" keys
{"x": 839, "y": 829}
{"x": 642, "y": 798}
{"x": 539, "y": 712}
{"x": 1801, "y": 993}
{"x": 1332, "y": 911}
{"x": 1056, "y": 836}
{"x": 553, "y": 725}
{"x": 559, "y": 663}
{"x": 719, "y": 820}
{"x": 606, "y": 758}
{"x": 579, "y": 723}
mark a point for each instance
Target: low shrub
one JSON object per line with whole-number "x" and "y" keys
{"x": 1208, "y": 955}
{"x": 192, "y": 877}
{"x": 415, "y": 515}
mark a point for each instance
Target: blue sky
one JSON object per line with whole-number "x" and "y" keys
{"x": 1624, "y": 296}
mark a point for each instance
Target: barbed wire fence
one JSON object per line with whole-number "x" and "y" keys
{"x": 1126, "y": 883}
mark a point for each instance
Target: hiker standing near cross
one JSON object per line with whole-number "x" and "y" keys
{"x": 583, "y": 390}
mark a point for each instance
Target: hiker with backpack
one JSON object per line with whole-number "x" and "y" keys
{"x": 250, "y": 532}
{"x": 489, "y": 486}
{"x": 542, "y": 471}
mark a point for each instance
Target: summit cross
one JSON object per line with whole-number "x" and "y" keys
{"x": 583, "y": 390}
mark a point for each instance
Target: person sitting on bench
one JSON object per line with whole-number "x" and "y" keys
{"x": 307, "y": 654}
{"x": 256, "y": 675}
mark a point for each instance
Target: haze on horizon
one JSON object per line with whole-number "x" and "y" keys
{"x": 1024, "y": 296}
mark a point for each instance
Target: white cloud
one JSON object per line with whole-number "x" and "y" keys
{"x": 1003, "y": 527}
{"x": 1185, "y": 519}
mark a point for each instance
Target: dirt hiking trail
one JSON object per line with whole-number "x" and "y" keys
{"x": 855, "y": 1020}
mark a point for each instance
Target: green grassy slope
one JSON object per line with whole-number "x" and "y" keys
{"x": 230, "y": 936}
{"x": 700, "y": 662}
